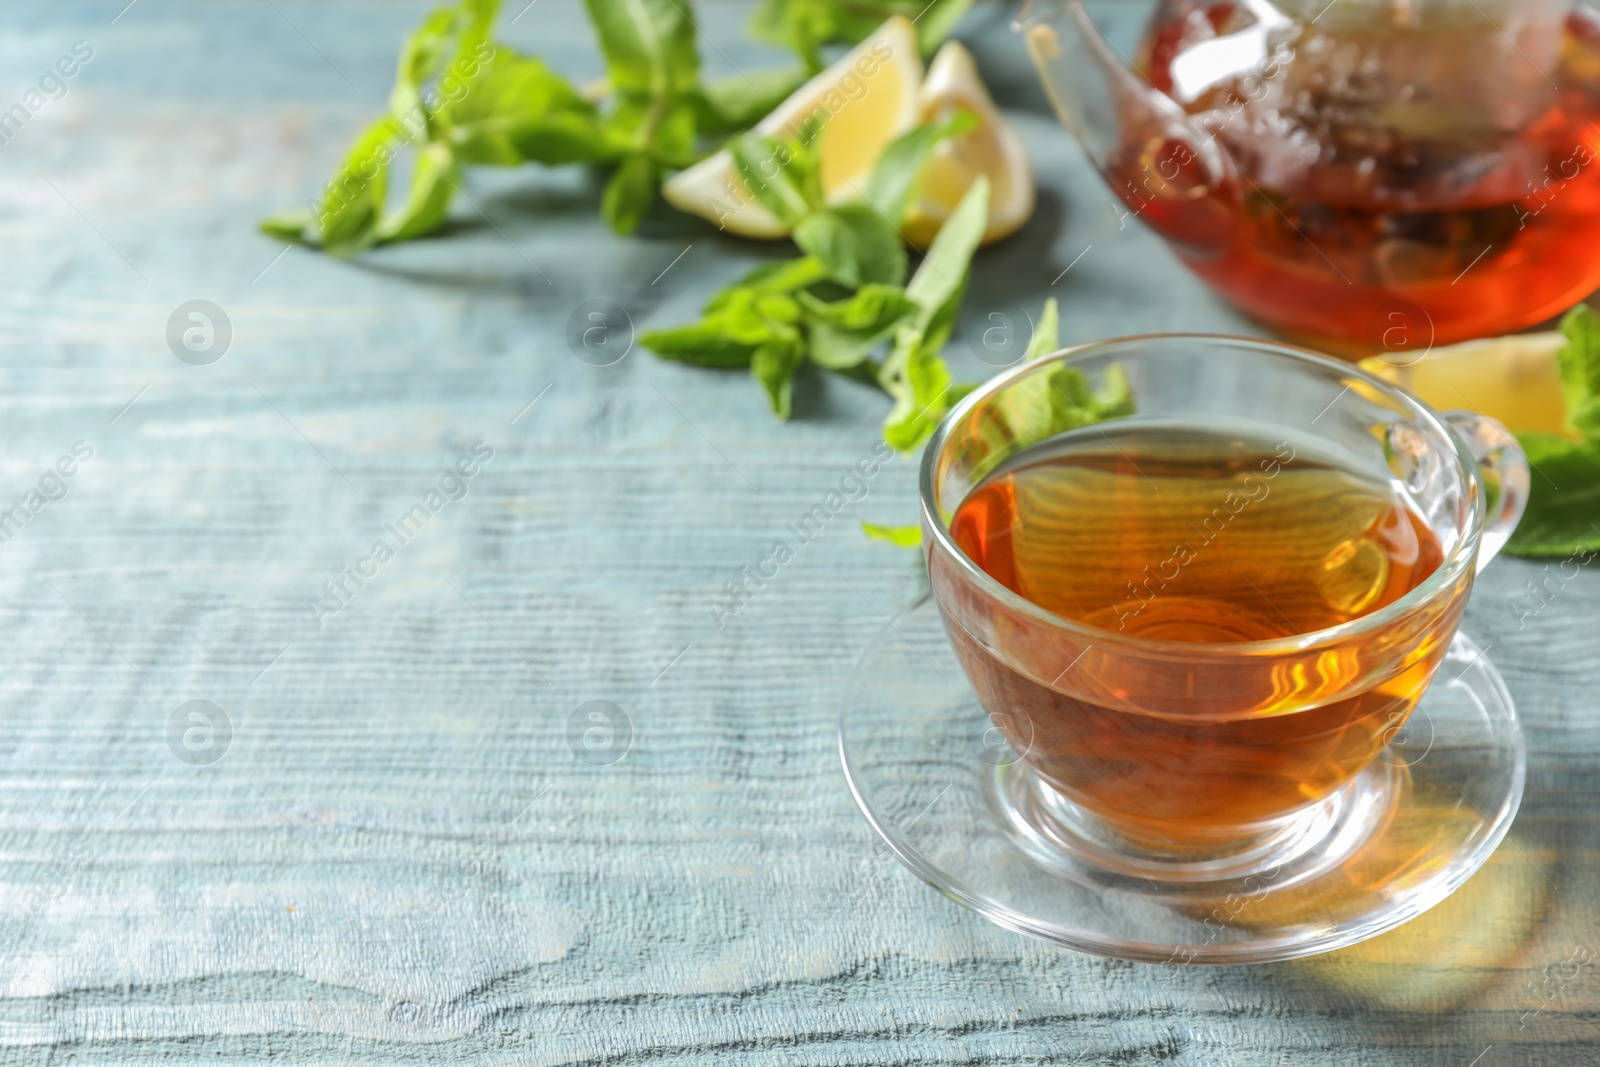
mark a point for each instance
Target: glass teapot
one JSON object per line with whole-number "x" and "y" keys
{"x": 1378, "y": 174}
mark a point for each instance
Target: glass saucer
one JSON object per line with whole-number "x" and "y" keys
{"x": 938, "y": 782}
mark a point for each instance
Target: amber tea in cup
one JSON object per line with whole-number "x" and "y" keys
{"x": 1200, "y": 583}
{"x": 1194, "y": 534}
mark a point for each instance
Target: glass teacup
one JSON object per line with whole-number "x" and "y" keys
{"x": 1190, "y": 758}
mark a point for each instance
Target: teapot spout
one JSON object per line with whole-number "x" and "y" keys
{"x": 1171, "y": 173}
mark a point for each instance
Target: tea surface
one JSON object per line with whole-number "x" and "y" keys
{"x": 1194, "y": 535}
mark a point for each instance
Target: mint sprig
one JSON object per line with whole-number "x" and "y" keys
{"x": 847, "y": 295}
{"x": 914, "y": 374}
{"x": 461, "y": 99}
{"x": 654, "y": 71}
{"x": 1563, "y": 513}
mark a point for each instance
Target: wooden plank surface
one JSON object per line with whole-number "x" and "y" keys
{"x": 409, "y": 851}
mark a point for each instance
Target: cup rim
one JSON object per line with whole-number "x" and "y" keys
{"x": 1445, "y": 574}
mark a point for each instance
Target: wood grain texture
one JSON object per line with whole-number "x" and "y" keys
{"x": 400, "y": 858}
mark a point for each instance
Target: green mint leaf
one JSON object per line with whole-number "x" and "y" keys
{"x": 676, "y": 135}
{"x": 352, "y": 203}
{"x": 1074, "y": 402}
{"x": 566, "y": 137}
{"x": 784, "y": 276}
{"x": 803, "y": 26}
{"x": 421, "y": 55}
{"x": 1044, "y": 405}
{"x": 873, "y": 309}
{"x": 741, "y": 320}
{"x": 893, "y": 177}
{"x": 350, "y": 214}
{"x": 516, "y": 110}
{"x": 1046, "y": 334}
{"x": 700, "y": 344}
{"x": 1559, "y": 521}
{"x": 844, "y": 333}
{"x": 649, "y": 46}
{"x": 630, "y": 193}
{"x": 288, "y": 226}
{"x": 774, "y": 365}
{"x": 921, "y": 390}
{"x": 938, "y": 21}
{"x": 747, "y": 328}
{"x": 663, "y": 128}
{"x": 834, "y": 349}
{"x": 732, "y": 104}
{"x": 778, "y": 307}
{"x": 1041, "y": 406}
{"x": 918, "y": 378}
{"x": 914, "y": 375}
{"x": 1579, "y": 361}
{"x": 747, "y": 317}
{"x": 740, "y": 323}
{"x": 943, "y": 272}
{"x": 936, "y": 328}
{"x": 434, "y": 183}
{"x": 781, "y": 173}
{"x": 899, "y": 536}
{"x": 654, "y": 71}
{"x": 856, "y": 245}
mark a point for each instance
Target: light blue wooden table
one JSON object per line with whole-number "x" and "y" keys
{"x": 404, "y": 840}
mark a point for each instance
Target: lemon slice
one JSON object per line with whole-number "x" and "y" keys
{"x": 866, "y": 99}
{"x": 993, "y": 149}
{"x": 1513, "y": 379}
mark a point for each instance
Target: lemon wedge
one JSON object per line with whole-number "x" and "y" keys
{"x": 992, "y": 149}
{"x": 1513, "y": 379}
{"x": 866, "y": 99}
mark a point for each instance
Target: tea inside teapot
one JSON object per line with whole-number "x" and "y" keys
{"x": 1412, "y": 102}
{"x": 1387, "y": 173}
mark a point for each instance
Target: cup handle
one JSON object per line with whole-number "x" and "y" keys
{"x": 1506, "y": 477}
